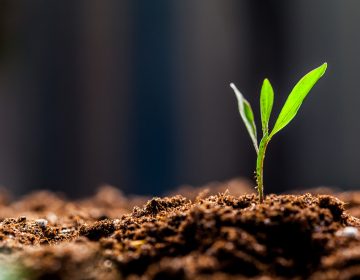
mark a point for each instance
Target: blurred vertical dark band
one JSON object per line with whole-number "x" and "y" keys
{"x": 152, "y": 111}
{"x": 105, "y": 78}
{"x": 55, "y": 61}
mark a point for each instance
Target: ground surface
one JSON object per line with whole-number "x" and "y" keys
{"x": 199, "y": 234}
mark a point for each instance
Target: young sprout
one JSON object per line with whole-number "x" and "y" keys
{"x": 287, "y": 113}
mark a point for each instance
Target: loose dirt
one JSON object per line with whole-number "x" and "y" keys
{"x": 211, "y": 236}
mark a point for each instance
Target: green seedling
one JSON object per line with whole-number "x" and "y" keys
{"x": 287, "y": 113}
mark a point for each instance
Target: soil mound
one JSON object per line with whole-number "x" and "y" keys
{"x": 216, "y": 237}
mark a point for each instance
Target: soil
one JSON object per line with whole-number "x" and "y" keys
{"x": 217, "y": 234}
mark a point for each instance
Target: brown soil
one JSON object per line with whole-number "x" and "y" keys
{"x": 219, "y": 236}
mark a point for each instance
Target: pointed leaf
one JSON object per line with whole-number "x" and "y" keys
{"x": 296, "y": 97}
{"x": 247, "y": 115}
{"x": 266, "y": 104}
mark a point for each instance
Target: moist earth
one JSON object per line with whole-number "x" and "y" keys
{"x": 194, "y": 233}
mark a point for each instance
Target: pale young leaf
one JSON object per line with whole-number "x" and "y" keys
{"x": 247, "y": 115}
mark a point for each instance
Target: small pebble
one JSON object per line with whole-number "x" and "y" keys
{"x": 41, "y": 223}
{"x": 108, "y": 263}
{"x": 348, "y": 232}
{"x": 52, "y": 218}
{"x": 65, "y": 230}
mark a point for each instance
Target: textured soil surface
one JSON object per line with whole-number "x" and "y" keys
{"x": 216, "y": 234}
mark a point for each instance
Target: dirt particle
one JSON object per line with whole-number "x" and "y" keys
{"x": 350, "y": 232}
{"x": 97, "y": 230}
{"x": 41, "y": 223}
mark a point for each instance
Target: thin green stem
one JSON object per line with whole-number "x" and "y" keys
{"x": 260, "y": 166}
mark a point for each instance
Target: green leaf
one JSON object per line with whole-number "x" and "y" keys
{"x": 247, "y": 115}
{"x": 266, "y": 104}
{"x": 296, "y": 97}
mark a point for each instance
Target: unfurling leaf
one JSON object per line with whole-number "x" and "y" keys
{"x": 266, "y": 104}
{"x": 296, "y": 97}
{"x": 247, "y": 115}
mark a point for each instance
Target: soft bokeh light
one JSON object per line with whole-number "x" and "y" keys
{"x": 136, "y": 93}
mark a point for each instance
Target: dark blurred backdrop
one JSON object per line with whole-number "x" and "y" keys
{"x": 135, "y": 93}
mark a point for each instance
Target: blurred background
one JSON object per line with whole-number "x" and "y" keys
{"x": 136, "y": 93}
